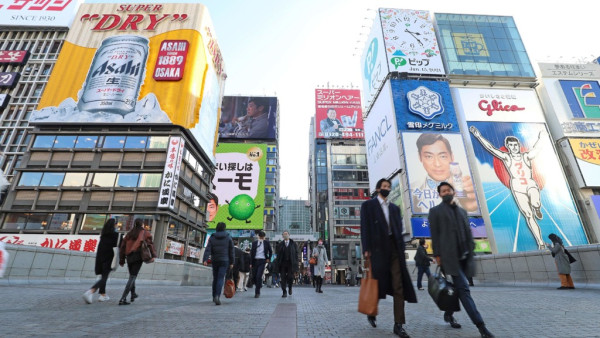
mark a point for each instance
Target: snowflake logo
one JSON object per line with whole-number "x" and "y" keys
{"x": 425, "y": 103}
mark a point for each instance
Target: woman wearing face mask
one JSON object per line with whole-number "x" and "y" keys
{"x": 108, "y": 240}
{"x": 321, "y": 254}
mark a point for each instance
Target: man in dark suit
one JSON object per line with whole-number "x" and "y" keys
{"x": 239, "y": 262}
{"x": 287, "y": 262}
{"x": 422, "y": 261}
{"x": 381, "y": 238}
{"x": 453, "y": 249}
{"x": 260, "y": 254}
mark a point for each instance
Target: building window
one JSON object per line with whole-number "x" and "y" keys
{"x": 38, "y": 221}
{"x": 175, "y": 229}
{"x": 65, "y": 141}
{"x": 62, "y": 222}
{"x": 15, "y": 221}
{"x": 44, "y": 141}
{"x": 30, "y": 179}
{"x": 115, "y": 142}
{"x": 158, "y": 142}
{"x": 127, "y": 180}
{"x": 74, "y": 179}
{"x": 88, "y": 142}
{"x": 104, "y": 180}
{"x": 93, "y": 222}
{"x": 136, "y": 142}
{"x": 150, "y": 180}
{"x": 52, "y": 179}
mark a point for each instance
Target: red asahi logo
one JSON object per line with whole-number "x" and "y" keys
{"x": 490, "y": 108}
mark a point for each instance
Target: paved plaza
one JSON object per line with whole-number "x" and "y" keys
{"x": 175, "y": 311}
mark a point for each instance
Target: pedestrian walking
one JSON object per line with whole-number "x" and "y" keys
{"x": 321, "y": 255}
{"x": 244, "y": 270}
{"x": 221, "y": 252}
{"x": 359, "y": 275}
{"x": 422, "y": 261}
{"x": 260, "y": 254}
{"x": 109, "y": 238}
{"x": 562, "y": 262}
{"x": 382, "y": 243}
{"x": 131, "y": 250}
{"x": 239, "y": 256}
{"x": 286, "y": 263}
{"x": 348, "y": 276}
{"x": 453, "y": 249}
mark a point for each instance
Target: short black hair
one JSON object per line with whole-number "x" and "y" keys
{"x": 213, "y": 197}
{"x": 380, "y": 182}
{"x": 261, "y": 101}
{"x": 221, "y": 226}
{"x": 429, "y": 139}
{"x": 261, "y": 234}
{"x": 422, "y": 241}
{"x": 511, "y": 139}
{"x": 442, "y": 184}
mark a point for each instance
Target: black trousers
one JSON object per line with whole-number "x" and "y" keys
{"x": 258, "y": 268}
{"x": 287, "y": 275}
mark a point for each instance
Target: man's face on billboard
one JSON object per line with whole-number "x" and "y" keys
{"x": 331, "y": 114}
{"x": 253, "y": 110}
{"x": 513, "y": 147}
{"x": 436, "y": 159}
{"x": 211, "y": 209}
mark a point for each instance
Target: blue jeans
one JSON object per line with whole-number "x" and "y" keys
{"x": 422, "y": 270}
{"x": 464, "y": 294}
{"x": 219, "y": 272}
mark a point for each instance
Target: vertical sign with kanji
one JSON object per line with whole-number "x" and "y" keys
{"x": 170, "y": 178}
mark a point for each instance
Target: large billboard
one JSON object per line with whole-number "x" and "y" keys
{"x": 339, "y": 114}
{"x": 524, "y": 187}
{"x": 374, "y": 67}
{"x": 410, "y": 42}
{"x": 138, "y": 64}
{"x": 238, "y": 197}
{"x": 248, "y": 117}
{"x": 381, "y": 138}
{"x": 482, "y": 45}
{"x": 46, "y": 13}
{"x": 583, "y": 97}
{"x": 432, "y": 158}
{"x": 424, "y": 106}
{"x": 587, "y": 155}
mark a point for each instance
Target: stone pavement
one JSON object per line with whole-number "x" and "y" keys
{"x": 174, "y": 311}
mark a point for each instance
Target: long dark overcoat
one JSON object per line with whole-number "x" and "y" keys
{"x": 375, "y": 239}
{"x": 444, "y": 239}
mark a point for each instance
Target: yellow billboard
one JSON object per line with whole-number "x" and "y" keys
{"x": 138, "y": 63}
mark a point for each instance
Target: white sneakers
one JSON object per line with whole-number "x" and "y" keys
{"x": 103, "y": 298}
{"x": 88, "y": 296}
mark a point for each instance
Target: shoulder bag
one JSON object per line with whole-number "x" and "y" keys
{"x": 442, "y": 292}
{"x": 115, "y": 261}
{"x": 145, "y": 249}
{"x": 368, "y": 297}
{"x": 229, "y": 286}
{"x": 571, "y": 258}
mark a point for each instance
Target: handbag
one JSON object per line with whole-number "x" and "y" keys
{"x": 145, "y": 248}
{"x": 442, "y": 292}
{"x": 115, "y": 261}
{"x": 250, "y": 282}
{"x": 313, "y": 260}
{"x": 571, "y": 258}
{"x": 368, "y": 297}
{"x": 229, "y": 286}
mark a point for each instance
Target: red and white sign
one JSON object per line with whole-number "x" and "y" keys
{"x": 170, "y": 62}
{"x": 174, "y": 248}
{"x": 500, "y": 105}
{"x": 38, "y": 13}
{"x": 339, "y": 114}
{"x": 170, "y": 179}
{"x": 13, "y": 57}
{"x": 66, "y": 242}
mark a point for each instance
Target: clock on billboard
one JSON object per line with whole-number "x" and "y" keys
{"x": 410, "y": 41}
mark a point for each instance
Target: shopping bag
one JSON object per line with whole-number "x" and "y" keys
{"x": 368, "y": 297}
{"x": 250, "y": 282}
{"x": 229, "y": 286}
{"x": 442, "y": 292}
{"x": 115, "y": 261}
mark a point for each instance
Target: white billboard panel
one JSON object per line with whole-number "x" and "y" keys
{"x": 499, "y": 105}
{"x": 49, "y": 13}
{"x": 381, "y": 136}
{"x": 373, "y": 63}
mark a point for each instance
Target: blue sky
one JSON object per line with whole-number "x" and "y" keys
{"x": 288, "y": 48}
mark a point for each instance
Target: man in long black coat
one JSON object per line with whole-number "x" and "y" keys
{"x": 381, "y": 238}
{"x": 286, "y": 263}
{"x": 453, "y": 248}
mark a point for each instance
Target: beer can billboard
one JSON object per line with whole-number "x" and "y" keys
{"x": 138, "y": 63}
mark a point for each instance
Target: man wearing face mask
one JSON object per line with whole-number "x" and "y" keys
{"x": 381, "y": 238}
{"x": 287, "y": 263}
{"x": 453, "y": 248}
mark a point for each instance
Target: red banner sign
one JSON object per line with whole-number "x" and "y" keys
{"x": 14, "y": 57}
{"x": 171, "y": 60}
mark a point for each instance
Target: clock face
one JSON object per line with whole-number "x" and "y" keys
{"x": 410, "y": 33}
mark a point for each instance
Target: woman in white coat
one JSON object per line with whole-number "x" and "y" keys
{"x": 321, "y": 254}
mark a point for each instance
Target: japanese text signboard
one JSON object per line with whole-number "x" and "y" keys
{"x": 239, "y": 182}
{"x": 339, "y": 114}
{"x": 170, "y": 178}
{"x": 39, "y": 13}
{"x": 9, "y": 79}
{"x": 587, "y": 155}
{"x": 66, "y": 242}
{"x": 14, "y": 57}
{"x": 138, "y": 63}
